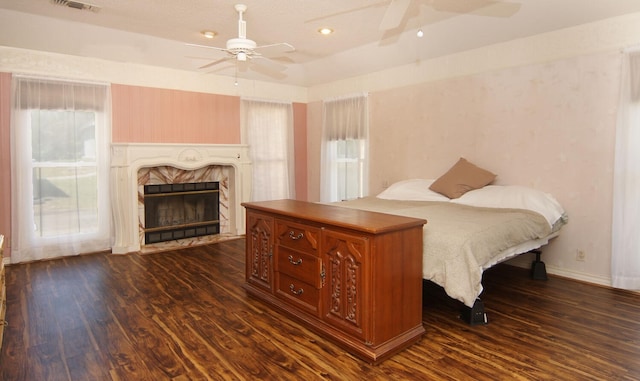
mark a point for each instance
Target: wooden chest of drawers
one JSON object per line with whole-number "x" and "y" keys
{"x": 353, "y": 276}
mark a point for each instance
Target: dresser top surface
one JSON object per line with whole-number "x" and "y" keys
{"x": 361, "y": 220}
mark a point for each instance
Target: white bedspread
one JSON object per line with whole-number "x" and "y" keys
{"x": 461, "y": 241}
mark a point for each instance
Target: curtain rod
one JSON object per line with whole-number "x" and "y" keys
{"x": 265, "y": 100}
{"x": 347, "y": 96}
{"x": 60, "y": 79}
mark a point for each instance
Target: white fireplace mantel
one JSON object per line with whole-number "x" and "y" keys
{"x": 128, "y": 158}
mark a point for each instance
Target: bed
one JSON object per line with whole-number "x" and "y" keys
{"x": 468, "y": 234}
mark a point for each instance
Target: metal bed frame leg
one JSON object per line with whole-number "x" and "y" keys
{"x": 474, "y": 315}
{"x": 538, "y": 269}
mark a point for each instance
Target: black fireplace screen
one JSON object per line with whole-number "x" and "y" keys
{"x": 177, "y": 211}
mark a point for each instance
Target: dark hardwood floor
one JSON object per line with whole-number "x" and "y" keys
{"x": 183, "y": 315}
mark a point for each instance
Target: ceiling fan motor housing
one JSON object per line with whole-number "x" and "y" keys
{"x": 241, "y": 47}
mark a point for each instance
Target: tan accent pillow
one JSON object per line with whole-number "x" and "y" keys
{"x": 461, "y": 178}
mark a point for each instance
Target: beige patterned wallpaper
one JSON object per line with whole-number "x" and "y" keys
{"x": 550, "y": 126}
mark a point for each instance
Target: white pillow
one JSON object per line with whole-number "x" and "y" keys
{"x": 412, "y": 190}
{"x": 515, "y": 197}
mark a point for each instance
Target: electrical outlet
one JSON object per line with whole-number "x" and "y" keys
{"x": 580, "y": 255}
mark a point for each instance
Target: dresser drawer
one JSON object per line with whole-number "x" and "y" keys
{"x": 301, "y": 294}
{"x": 297, "y": 236}
{"x": 300, "y": 266}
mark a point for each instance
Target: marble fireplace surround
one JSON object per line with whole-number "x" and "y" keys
{"x": 128, "y": 158}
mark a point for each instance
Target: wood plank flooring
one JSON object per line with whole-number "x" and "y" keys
{"x": 183, "y": 315}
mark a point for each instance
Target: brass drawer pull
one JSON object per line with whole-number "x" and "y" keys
{"x": 293, "y": 290}
{"x": 295, "y": 237}
{"x": 295, "y": 263}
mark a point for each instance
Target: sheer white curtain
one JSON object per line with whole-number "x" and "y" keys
{"x": 625, "y": 256}
{"x": 60, "y": 137}
{"x": 345, "y": 145}
{"x": 268, "y": 130}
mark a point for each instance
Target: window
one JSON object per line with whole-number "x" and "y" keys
{"x": 268, "y": 129}
{"x": 64, "y": 167}
{"x": 344, "y": 168}
{"x": 60, "y": 168}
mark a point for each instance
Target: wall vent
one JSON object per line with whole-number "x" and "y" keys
{"x": 76, "y": 5}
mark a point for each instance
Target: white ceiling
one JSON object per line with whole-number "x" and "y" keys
{"x": 154, "y": 32}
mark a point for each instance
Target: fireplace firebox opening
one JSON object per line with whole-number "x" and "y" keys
{"x": 182, "y": 210}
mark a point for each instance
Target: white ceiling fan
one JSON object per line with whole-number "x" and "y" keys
{"x": 246, "y": 51}
{"x": 398, "y": 10}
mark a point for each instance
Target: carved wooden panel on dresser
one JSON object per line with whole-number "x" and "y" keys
{"x": 259, "y": 250}
{"x": 353, "y": 276}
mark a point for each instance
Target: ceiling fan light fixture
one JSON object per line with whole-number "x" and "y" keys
{"x": 420, "y": 33}
{"x": 242, "y": 56}
{"x": 325, "y": 31}
{"x": 208, "y": 33}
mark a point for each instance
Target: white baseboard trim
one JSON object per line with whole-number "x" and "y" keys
{"x": 584, "y": 277}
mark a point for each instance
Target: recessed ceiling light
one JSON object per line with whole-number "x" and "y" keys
{"x": 325, "y": 31}
{"x": 208, "y": 34}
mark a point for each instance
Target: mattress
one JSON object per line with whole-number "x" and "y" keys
{"x": 461, "y": 241}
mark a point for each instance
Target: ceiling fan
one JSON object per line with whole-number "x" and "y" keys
{"x": 398, "y": 10}
{"x": 245, "y": 51}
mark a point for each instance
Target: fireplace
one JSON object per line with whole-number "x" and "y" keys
{"x": 183, "y": 210}
{"x": 135, "y": 165}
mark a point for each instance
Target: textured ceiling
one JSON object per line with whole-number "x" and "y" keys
{"x": 155, "y": 32}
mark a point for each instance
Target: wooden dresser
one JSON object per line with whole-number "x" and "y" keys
{"x": 3, "y": 291}
{"x": 352, "y": 276}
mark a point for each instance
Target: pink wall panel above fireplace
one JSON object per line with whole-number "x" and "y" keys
{"x": 5, "y": 161}
{"x": 153, "y": 115}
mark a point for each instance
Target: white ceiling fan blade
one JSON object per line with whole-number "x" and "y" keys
{"x": 494, "y": 8}
{"x": 345, "y": 12}
{"x": 394, "y": 14}
{"x": 272, "y": 50}
{"x": 283, "y": 59}
{"x": 207, "y": 47}
{"x": 215, "y": 62}
{"x": 498, "y": 9}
